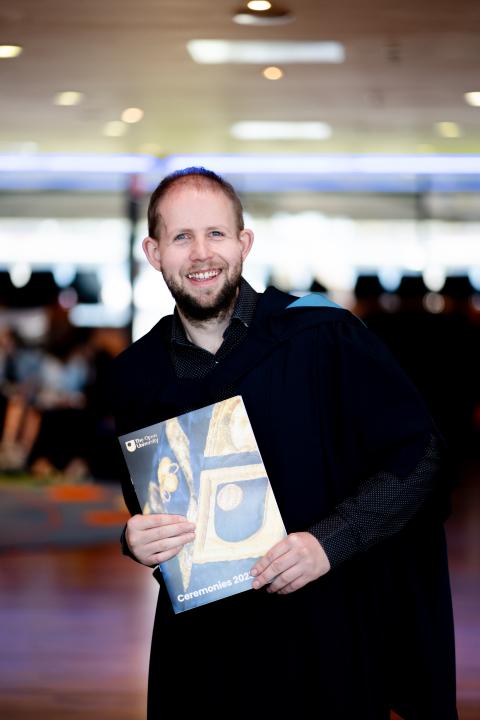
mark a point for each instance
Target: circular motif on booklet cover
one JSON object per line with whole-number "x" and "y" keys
{"x": 240, "y": 509}
{"x": 229, "y": 497}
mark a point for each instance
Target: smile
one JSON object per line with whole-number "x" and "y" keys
{"x": 204, "y": 275}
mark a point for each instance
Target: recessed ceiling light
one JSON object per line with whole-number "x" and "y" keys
{"x": 473, "y": 98}
{"x": 272, "y": 73}
{"x": 132, "y": 115}
{"x": 68, "y": 97}
{"x": 448, "y": 129}
{"x": 259, "y": 5}
{"x": 10, "y": 51}
{"x": 115, "y": 128}
{"x": 262, "y": 52}
{"x": 262, "y": 130}
{"x": 261, "y": 12}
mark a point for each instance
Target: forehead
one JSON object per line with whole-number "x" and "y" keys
{"x": 198, "y": 203}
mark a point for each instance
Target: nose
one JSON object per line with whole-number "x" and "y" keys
{"x": 200, "y": 248}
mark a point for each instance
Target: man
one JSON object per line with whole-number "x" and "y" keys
{"x": 351, "y": 612}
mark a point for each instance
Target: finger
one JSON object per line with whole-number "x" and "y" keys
{"x": 171, "y": 547}
{"x": 167, "y": 531}
{"x": 146, "y": 522}
{"x": 167, "y": 543}
{"x": 293, "y": 586}
{"x": 167, "y": 519}
{"x": 276, "y": 568}
{"x": 285, "y": 578}
{"x": 263, "y": 563}
{"x": 145, "y": 552}
{"x": 167, "y": 555}
{"x": 146, "y": 540}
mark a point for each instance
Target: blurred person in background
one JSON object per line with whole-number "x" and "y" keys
{"x": 63, "y": 438}
{"x": 19, "y": 420}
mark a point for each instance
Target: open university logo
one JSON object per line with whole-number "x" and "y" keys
{"x": 130, "y": 445}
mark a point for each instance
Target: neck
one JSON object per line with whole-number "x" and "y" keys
{"x": 207, "y": 334}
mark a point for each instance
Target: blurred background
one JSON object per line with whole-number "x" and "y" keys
{"x": 352, "y": 131}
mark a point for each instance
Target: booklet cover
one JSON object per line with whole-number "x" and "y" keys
{"x": 206, "y": 465}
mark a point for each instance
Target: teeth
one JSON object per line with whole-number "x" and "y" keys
{"x": 203, "y": 275}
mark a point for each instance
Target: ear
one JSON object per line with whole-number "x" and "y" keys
{"x": 151, "y": 248}
{"x": 246, "y": 238}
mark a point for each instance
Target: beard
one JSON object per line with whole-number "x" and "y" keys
{"x": 215, "y": 306}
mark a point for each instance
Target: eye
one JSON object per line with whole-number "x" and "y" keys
{"x": 217, "y": 233}
{"x": 180, "y": 237}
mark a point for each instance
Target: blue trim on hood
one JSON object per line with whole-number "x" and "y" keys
{"x": 314, "y": 300}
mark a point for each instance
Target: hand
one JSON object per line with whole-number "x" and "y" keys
{"x": 156, "y": 538}
{"x": 290, "y": 564}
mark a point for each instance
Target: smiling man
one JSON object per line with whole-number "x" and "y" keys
{"x": 198, "y": 242}
{"x": 350, "y": 613}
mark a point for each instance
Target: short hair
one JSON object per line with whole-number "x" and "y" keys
{"x": 203, "y": 177}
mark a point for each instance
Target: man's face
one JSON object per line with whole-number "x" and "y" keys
{"x": 200, "y": 251}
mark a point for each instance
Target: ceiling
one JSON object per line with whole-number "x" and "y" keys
{"x": 407, "y": 66}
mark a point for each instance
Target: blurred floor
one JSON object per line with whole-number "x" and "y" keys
{"x": 75, "y": 625}
{"x": 463, "y": 533}
{"x": 55, "y": 512}
{"x": 75, "y": 628}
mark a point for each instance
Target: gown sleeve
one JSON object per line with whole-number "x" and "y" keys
{"x": 403, "y": 451}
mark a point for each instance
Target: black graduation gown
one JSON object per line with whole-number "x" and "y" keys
{"x": 330, "y": 408}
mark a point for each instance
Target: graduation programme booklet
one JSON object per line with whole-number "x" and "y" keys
{"x": 206, "y": 465}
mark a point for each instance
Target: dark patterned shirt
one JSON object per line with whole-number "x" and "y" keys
{"x": 191, "y": 361}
